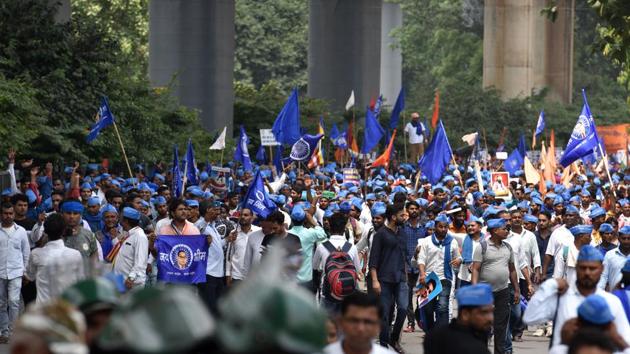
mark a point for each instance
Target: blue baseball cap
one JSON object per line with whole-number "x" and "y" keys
{"x": 474, "y": 295}
{"x": 596, "y": 212}
{"x": 496, "y": 223}
{"x": 131, "y": 213}
{"x": 581, "y": 230}
{"x": 589, "y": 253}
{"x": 605, "y": 227}
{"x": 298, "y": 213}
{"x": 594, "y": 309}
{"x": 530, "y": 218}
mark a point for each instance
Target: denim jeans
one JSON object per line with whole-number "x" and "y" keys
{"x": 436, "y": 311}
{"x": 516, "y": 326}
{"x": 393, "y": 293}
{"x": 9, "y": 297}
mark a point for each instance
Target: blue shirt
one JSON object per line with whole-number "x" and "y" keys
{"x": 412, "y": 235}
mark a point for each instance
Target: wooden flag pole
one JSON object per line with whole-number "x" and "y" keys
{"x": 222, "y": 150}
{"x": 605, "y": 157}
{"x": 122, "y": 147}
{"x": 405, "y": 140}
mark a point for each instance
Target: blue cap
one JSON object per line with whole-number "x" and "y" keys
{"x": 370, "y": 196}
{"x": 474, "y": 295}
{"x": 108, "y": 209}
{"x": 623, "y": 202}
{"x": 131, "y": 213}
{"x": 581, "y": 230}
{"x": 594, "y": 309}
{"x": 430, "y": 225}
{"x": 443, "y": 218}
{"x": 496, "y": 223}
{"x": 72, "y": 206}
{"x": 523, "y": 205}
{"x": 298, "y": 213}
{"x": 357, "y": 203}
{"x": 144, "y": 203}
{"x": 328, "y": 213}
{"x": 6, "y": 191}
{"x": 191, "y": 203}
{"x": 626, "y": 266}
{"x": 345, "y": 206}
{"x": 605, "y": 227}
{"x": 92, "y": 201}
{"x": 558, "y": 200}
{"x": 596, "y": 212}
{"x": 537, "y": 201}
{"x": 473, "y": 219}
{"x": 530, "y": 218}
{"x": 585, "y": 193}
{"x": 160, "y": 201}
{"x": 625, "y": 230}
{"x": 423, "y": 203}
{"x": 589, "y": 253}
{"x": 30, "y": 195}
{"x": 378, "y": 208}
{"x": 571, "y": 209}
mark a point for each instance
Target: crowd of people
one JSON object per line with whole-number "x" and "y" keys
{"x": 338, "y": 265}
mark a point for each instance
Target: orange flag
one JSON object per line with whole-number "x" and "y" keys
{"x": 383, "y": 160}
{"x": 339, "y": 155}
{"x": 436, "y": 110}
{"x": 551, "y": 158}
{"x": 352, "y": 142}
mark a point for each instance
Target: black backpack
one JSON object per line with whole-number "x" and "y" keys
{"x": 340, "y": 275}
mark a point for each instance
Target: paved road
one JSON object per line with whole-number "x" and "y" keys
{"x": 412, "y": 343}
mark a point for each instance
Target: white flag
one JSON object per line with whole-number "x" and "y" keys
{"x": 220, "y": 143}
{"x": 470, "y": 138}
{"x": 350, "y": 102}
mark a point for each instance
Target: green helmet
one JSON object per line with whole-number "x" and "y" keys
{"x": 91, "y": 295}
{"x": 271, "y": 318}
{"x": 157, "y": 320}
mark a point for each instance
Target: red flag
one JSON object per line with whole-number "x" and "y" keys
{"x": 383, "y": 160}
{"x": 436, "y": 110}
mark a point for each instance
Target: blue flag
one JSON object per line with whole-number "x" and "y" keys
{"x": 334, "y": 133}
{"x": 182, "y": 260}
{"x": 257, "y": 198}
{"x": 286, "y": 128}
{"x": 338, "y": 138}
{"x": 437, "y": 157}
{"x": 378, "y": 105}
{"x": 105, "y": 118}
{"x": 540, "y": 125}
{"x": 304, "y": 148}
{"x": 176, "y": 186}
{"x": 277, "y": 159}
{"x": 514, "y": 162}
{"x": 191, "y": 164}
{"x": 261, "y": 157}
{"x": 398, "y": 107}
{"x": 584, "y": 137}
{"x": 522, "y": 148}
{"x": 241, "y": 154}
{"x": 373, "y": 132}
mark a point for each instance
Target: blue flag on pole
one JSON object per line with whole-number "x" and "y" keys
{"x": 514, "y": 162}
{"x": 182, "y": 260}
{"x": 378, "y": 105}
{"x": 105, "y": 118}
{"x": 437, "y": 157}
{"x": 584, "y": 137}
{"x": 338, "y": 138}
{"x": 373, "y": 132}
{"x": 427, "y": 128}
{"x": 398, "y": 107}
{"x": 277, "y": 159}
{"x": 191, "y": 166}
{"x": 286, "y": 128}
{"x": 334, "y": 133}
{"x": 241, "y": 154}
{"x": 176, "y": 186}
{"x": 522, "y": 148}
{"x": 540, "y": 125}
{"x": 304, "y": 148}
{"x": 261, "y": 157}
{"x": 257, "y": 198}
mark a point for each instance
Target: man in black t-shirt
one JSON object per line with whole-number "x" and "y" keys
{"x": 281, "y": 237}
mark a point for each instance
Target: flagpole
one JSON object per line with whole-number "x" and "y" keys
{"x": 122, "y": 147}
{"x": 405, "y": 140}
{"x": 534, "y": 139}
{"x": 485, "y": 143}
{"x": 221, "y": 163}
{"x": 605, "y": 157}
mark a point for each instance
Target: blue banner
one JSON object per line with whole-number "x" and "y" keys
{"x": 182, "y": 259}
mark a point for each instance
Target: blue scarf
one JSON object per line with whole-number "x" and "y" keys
{"x": 95, "y": 221}
{"x": 418, "y": 127}
{"x": 467, "y": 250}
{"x": 448, "y": 271}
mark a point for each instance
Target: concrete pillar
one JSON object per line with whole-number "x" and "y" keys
{"x": 344, "y": 50}
{"x": 191, "y": 44}
{"x": 391, "y": 58}
{"x": 524, "y": 52}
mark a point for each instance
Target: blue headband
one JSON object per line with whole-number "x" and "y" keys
{"x": 581, "y": 230}
{"x": 72, "y": 207}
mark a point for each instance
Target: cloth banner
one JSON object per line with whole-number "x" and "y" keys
{"x": 182, "y": 259}
{"x": 615, "y": 137}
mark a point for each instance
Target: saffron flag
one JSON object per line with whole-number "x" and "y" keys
{"x": 436, "y": 110}
{"x": 191, "y": 164}
{"x": 584, "y": 137}
{"x": 437, "y": 156}
{"x": 373, "y": 132}
{"x": 286, "y": 127}
{"x": 550, "y": 159}
{"x": 350, "y": 102}
{"x": 350, "y": 139}
{"x": 104, "y": 118}
{"x": 399, "y": 106}
{"x": 219, "y": 144}
{"x": 176, "y": 183}
{"x": 383, "y": 160}
{"x": 182, "y": 260}
{"x": 241, "y": 154}
{"x": 257, "y": 198}
{"x": 318, "y": 157}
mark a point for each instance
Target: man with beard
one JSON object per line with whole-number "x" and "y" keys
{"x": 470, "y": 244}
{"x": 566, "y": 257}
{"x": 235, "y": 271}
{"x": 597, "y": 217}
{"x": 110, "y": 231}
{"x": 388, "y": 271}
{"x": 363, "y": 246}
{"x": 78, "y": 237}
{"x": 468, "y": 333}
{"x": 412, "y": 231}
{"x": 558, "y": 300}
{"x": 561, "y": 236}
{"x": 615, "y": 260}
{"x": 440, "y": 254}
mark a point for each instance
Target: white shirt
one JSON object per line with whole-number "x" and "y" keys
{"x": 465, "y": 274}
{"x": 564, "y": 266}
{"x": 131, "y": 260}
{"x": 414, "y": 138}
{"x": 336, "y": 348}
{"x": 516, "y": 241}
{"x": 14, "y": 251}
{"x": 216, "y": 257}
{"x": 237, "y": 253}
{"x": 559, "y": 237}
{"x": 54, "y": 267}
{"x": 321, "y": 253}
{"x": 432, "y": 256}
{"x": 542, "y": 308}
{"x": 614, "y": 261}
{"x": 252, "y": 251}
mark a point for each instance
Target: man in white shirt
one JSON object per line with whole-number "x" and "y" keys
{"x": 561, "y": 236}
{"x": 253, "y": 250}
{"x": 359, "y": 323}
{"x": 565, "y": 260}
{"x": 236, "y": 256}
{"x": 14, "y": 254}
{"x": 415, "y": 131}
{"x": 133, "y": 250}
{"x": 54, "y": 267}
{"x": 558, "y": 300}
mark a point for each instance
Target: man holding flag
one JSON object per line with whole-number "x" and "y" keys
{"x": 415, "y": 133}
